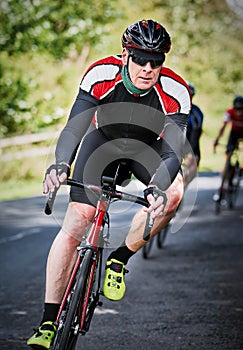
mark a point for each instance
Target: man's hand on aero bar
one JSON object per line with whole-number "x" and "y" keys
{"x": 157, "y": 200}
{"x": 54, "y": 176}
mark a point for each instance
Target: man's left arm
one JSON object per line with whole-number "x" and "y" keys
{"x": 172, "y": 150}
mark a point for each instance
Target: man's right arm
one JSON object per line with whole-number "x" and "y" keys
{"x": 79, "y": 120}
{"x": 220, "y": 133}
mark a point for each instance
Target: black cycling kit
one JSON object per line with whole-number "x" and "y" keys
{"x": 146, "y": 130}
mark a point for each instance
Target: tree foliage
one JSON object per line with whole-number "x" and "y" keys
{"x": 59, "y": 28}
{"x": 206, "y": 41}
{"x": 206, "y": 48}
{"x": 56, "y": 26}
{"x": 14, "y": 92}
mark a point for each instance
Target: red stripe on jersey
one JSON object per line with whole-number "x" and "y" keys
{"x": 176, "y": 94}
{"x": 168, "y": 72}
{"x": 236, "y": 121}
{"x": 170, "y": 105}
{"x": 116, "y": 60}
{"x": 103, "y": 88}
{"x": 101, "y": 76}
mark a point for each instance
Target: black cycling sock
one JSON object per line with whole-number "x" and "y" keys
{"x": 123, "y": 254}
{"x": 50, "y": 312}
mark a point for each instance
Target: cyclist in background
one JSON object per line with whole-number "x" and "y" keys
{"x": 233, "y": 116}
{"x": 194, "y": 131}
{"x": 129, "y": 108}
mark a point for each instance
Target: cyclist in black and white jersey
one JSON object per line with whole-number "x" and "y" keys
{"x": 130, "y": 108}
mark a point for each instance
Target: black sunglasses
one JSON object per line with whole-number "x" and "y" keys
{"x": 143, "y": 61}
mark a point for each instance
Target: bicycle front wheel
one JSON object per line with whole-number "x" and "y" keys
{"x": 67, "y": 335}
{"x": 161, "y": 236}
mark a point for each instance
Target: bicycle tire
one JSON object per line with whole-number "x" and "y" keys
{"x": 231, "y": 199}
{"x": 67, "y": 339}
{"x": 217, "y": 207}
{"x": 147, "y": 248}
{"x": 235, "y": 186}
{"x": 161, "y": 236}
{"x": 218, "y": 198}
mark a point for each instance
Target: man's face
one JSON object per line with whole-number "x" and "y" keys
{"x": 239, "y": 111}
{"x": 142, "y": 77}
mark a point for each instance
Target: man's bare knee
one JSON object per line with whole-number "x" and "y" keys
{"x": 77, "y": 220}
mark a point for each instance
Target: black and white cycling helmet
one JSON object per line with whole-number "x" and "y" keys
{"x": 238, "y": 102}
{"x": 192, "y": 88}
{"x": 147, "y": 35}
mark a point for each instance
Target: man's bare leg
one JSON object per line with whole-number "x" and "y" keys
{"x": 134, "y": 240}
{"x": 63, "y": 252}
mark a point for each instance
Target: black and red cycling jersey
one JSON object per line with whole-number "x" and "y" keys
{"x": 235, "y": 120}
{"x": 236, "y": 132}
{"x": 103, "y": 81}
{"x": 104, "y": 101}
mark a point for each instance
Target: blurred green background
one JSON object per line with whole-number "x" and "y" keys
{"x": 47, "y": 44}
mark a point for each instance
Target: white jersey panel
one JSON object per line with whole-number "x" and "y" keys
{"x": 178, "y": 91}
{"x": 98, "y": 74}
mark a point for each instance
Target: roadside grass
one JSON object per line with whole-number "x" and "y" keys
{"x": 22, "y": 178}
{"x": 15, "y": 189}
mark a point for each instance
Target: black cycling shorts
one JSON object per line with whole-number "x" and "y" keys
{"x": 100, "y": 156}
{"x": 234, "y": 136}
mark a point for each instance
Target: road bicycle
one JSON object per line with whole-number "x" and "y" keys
{"x": 83, "y": 292}
{"x": 230, "y": 183}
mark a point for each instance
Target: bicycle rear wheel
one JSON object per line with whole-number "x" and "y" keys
{"x": 218, "y": 200}
{"x": 161, "y": 236}
{"x": 147, "y": 248}
{"x": 234, "y": 186}
{"x": 67, "y": 335}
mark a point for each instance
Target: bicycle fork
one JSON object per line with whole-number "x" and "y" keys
{"x": 91, "y": 298}
{"x": 71, "y": 285}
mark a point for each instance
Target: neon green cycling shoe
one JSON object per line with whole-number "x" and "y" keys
{"x": 114, "y": 285}
{"x": 43, "y": 336}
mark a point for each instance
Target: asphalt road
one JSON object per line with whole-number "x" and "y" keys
{"x": 187, "y": 296}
